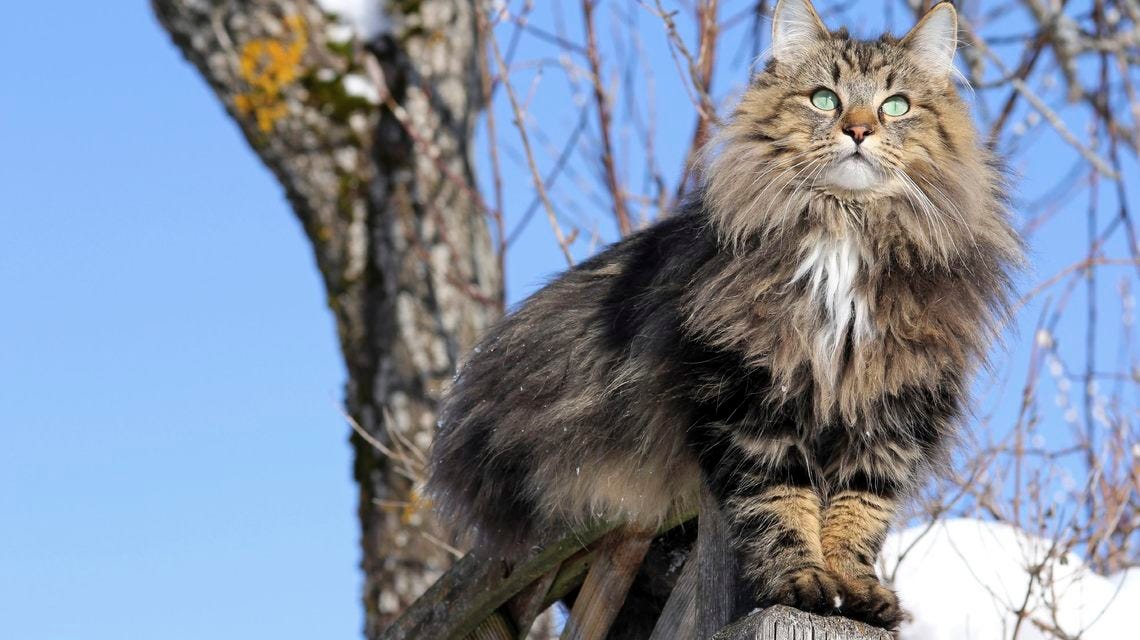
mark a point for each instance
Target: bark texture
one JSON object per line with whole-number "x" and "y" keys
{"x": 370, "y": 142}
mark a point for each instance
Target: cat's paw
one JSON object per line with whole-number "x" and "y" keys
{"x": 867, "y": 600}
{"x": 810, "y": 589}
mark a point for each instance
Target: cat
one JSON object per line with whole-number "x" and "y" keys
{"x": 800, "y": 335}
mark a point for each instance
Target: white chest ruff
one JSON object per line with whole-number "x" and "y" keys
{"x": 831, "y": 267}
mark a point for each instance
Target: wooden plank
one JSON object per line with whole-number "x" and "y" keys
{"x": 574, "y": 568}
{"x": 495, "y": 627}
{"x": 679, "y": 617}
{"x": 716, "y": 569}
{"x": 570, "y": 575}
{"x": 475, "y": 587}
{"x": 606, "y": 585}
{"x": 786, "y": 623}
{"x": 525, "y": 607}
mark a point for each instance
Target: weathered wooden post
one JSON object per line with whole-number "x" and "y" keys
{"x": 785, "y": 623}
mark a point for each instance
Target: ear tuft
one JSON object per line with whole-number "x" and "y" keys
{"x": 935, "y": 37}
{"x": 795, "y": 27}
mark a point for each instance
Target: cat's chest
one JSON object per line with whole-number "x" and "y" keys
{"x": 835, "y": 299}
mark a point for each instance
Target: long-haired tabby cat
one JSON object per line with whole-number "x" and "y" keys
{"x": 801, "y": 336}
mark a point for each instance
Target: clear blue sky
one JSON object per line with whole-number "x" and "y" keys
{"x": 175, "y": 464}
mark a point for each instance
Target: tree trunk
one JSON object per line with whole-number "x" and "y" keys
{"x": 371, "y": 147}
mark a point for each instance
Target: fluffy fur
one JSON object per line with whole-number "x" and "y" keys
{"x": 801, "y": 335}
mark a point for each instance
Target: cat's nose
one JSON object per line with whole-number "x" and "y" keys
{"x": 858, "y": 131}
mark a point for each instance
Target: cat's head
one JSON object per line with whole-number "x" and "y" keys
{"x": 862, "y": 110}
{"x": 854, "y": 119}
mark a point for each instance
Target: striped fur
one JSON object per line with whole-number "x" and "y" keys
{"x": 802, "y": 346}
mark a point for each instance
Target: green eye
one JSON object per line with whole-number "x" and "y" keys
{"x": 825, "y": 100}
{"x": 895, "y": 106}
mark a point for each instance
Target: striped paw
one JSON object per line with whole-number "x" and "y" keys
{"x": 810, "y": 589}
{"x": 865, "y": 599}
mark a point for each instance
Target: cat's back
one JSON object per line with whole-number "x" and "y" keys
{"x": 560, "y": 395}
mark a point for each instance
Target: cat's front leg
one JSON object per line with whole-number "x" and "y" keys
{"x": 774, "y": 514}
{"x": 855, "y": 523}
{"x": 776, "y": 530}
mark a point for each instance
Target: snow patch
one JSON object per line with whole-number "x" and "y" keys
{"x": 358, "y": 86}
{"x": 966, "y": 578}
{"x": 364, "y": 16}
{"x": 339, "y": 32}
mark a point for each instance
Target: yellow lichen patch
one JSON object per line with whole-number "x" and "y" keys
{"x": 417, "y": 503}
{"x": 268, "y": 66}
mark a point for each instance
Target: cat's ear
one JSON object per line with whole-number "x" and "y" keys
{"x": 795, "y": 27}
{"x": 935, "y": 37}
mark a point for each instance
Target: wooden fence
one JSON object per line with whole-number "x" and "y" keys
{"x": 480, "y": 599}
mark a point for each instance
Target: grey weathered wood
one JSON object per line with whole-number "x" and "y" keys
{"x": 708, "y": 583}
{"x": 526, "y": 606}
{"x": 785, "y": 623}
{"x": 678, "y": 618}
{"x": 475, "y": 587}
{"x": 570, "y": 576}
{"x": 495, "y": 627}
{"x": 716, "y": 569}
{"x": 606, "y": 585}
